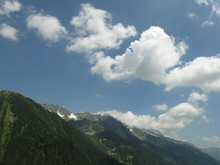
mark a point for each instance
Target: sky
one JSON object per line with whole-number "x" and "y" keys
{"x": 77, "y": 54}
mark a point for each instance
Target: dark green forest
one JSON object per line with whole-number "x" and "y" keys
{"x": 31, "y": 135}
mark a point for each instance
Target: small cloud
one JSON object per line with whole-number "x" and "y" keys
{"x": 182, "y": 95}
{"x": 205, "y": 119}
{"x": 203, "y": 2}
{"x": 191, "y": 15}
{"x": 207, "y": 24}
{"x": 9, "y": 6}
{"x": 161, "y": 107}
{"x": 98, "y": 95}
{"x": 212, "y": 140}
{"x": 8, "y": 32}
{"x": 215, "y": 10}
{"x": 48, "y": 27}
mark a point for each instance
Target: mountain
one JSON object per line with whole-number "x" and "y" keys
{"x": 118, "y": 140}
{"x": 213, "y": 151}
{"x": 29, "y": 134}
{"x": 181, "y": 152}
{"x": 61, "y": 111}
{"x": 136, "y": 146}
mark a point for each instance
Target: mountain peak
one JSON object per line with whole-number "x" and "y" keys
{"x": 60, "y": 110}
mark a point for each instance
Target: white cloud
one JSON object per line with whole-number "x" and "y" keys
{"x": 8, "y": 6}
{"x": 157, "y": 58}
{"x": 203, "y": 72}
{"x": 8, "y": 32}
{"x": 203, "y": 2}
{"x": 154, "y": 54}
{"x": 206, "y": 24}
{"x": 213, "y": 140}
{"x": 197, "y": 98}
{"x": 216, "y": 8}
{"x": 215, "y": 11}
{"x": 169, "y": 123}
{"x": 161, "y": 107}
{"x": 48, "y": 27}
{"x": 205, "y": 119}
{"x": 98, "y": 96}
{"x": 177, "y": 118}
{"x": 191, "y": 15}
{"x": 131, "y": 119}
{"x": 94, "y": 31}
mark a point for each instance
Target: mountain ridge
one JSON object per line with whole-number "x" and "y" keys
{"x": 112, "y": 133}
{"x": 30, "y": 134}
{"x": 36, "y": 136}
{"x": 212, "y": 151}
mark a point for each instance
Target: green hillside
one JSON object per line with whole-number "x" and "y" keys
{"x": 31, "y": 135}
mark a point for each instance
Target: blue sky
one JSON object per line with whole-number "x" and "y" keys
{"x": 75, "y": 54}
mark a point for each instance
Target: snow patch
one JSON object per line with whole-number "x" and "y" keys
{"x": 72, "y": 116}
{"x": 60, "y": 114}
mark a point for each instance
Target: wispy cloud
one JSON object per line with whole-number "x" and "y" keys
{"x": 203, "y": 2}
{"x": 215, "y": 11}
{"x": 191, "y": 15}
{"x": 212, "y": 140}
{"x": 207, "y": 23}
{"x": 205, "y": 119}
{"x": 161, "y": 107}
{"x": 215, "y": 8}
{"x": 98, "y": 96}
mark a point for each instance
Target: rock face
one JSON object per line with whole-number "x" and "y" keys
{"x": 61, "y": 111}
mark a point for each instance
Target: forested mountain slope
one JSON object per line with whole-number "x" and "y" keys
{"x": 30, "y": 135}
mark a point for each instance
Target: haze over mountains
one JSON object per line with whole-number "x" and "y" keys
{"x": 30, "y": 134}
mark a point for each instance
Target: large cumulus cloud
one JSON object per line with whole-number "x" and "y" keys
{"x": 154, "y": 54}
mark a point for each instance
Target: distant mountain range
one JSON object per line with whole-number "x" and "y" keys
{"x": 136, "y": 146}
{"x": 213, "y": 151}
{"x": 33, "y": 134}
